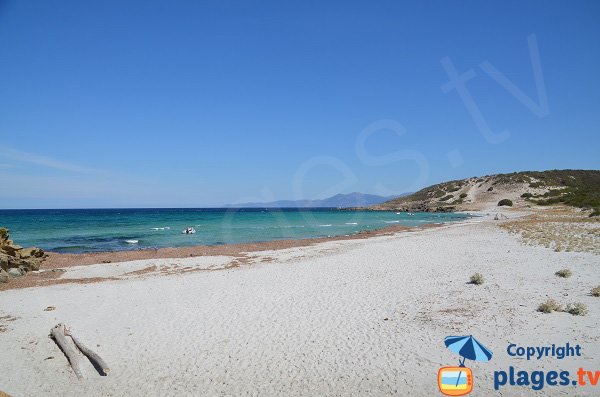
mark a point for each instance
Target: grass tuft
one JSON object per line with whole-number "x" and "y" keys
{"x": 477, "y": 279}
{"x": 549, "y": 306}
{"x": 577, "y": 309}
{"x": 564, "y": 273}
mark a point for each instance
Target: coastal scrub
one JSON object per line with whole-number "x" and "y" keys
{"x": 477, "y": 279}
{"x": 549, "y": 306}
{"x": 564, "y": 273}
{"x": 577, "y": 309}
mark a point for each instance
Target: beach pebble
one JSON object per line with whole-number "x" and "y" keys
{"x": 49, "y": 308}
{"x": 15, "y": 272}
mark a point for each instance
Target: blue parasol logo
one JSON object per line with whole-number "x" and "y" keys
{"x": 458, "y": 381}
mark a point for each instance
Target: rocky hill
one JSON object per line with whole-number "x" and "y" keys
{"x": 579, "y": 188}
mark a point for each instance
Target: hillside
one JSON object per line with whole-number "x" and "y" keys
{"x": 578, "y": 188}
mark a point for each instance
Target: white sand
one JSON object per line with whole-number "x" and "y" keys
{"x": 311, "y": 322}
{"x": 124, "y": 269}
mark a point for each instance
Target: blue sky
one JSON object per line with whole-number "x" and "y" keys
{"x": 194, "y": 103}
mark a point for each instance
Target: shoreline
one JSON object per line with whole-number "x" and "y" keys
{"x": 59, "y": 260}
{"x": 56, "y": 264}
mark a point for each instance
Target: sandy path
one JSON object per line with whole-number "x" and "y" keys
{"x": 315, "y": 325}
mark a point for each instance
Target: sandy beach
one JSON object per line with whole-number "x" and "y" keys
{"x": 334, "y": 318}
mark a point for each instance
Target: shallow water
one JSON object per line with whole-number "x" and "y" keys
{"x": 92, "y": 230}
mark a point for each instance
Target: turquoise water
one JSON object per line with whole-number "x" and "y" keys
{"x": 94, "y": 230}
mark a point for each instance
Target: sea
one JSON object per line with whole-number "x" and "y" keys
{"x": 99, "y": 230}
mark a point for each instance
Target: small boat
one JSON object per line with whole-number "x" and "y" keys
{"x": 188, "y": 230}
{"x": 411, "y": 214}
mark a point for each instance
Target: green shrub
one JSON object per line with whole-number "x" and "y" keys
{"x": 595, "y": 212}
{"x": 446, "y": 198}
{"x": 491, "y": 188}
{"x": 453, "y": 188}
{"x": 463, "y": 195}
{"x": 535, "y": 184}
{"x": 504, "y": 202}
{"x": 554, "y": 192}
{"x": 577, "y": 309}
{"x": 477, "y": 279}
{"x": 439, "y": 193}
{"x": 564, "y": 273}
{"x": 527, "y": 195}
{"x": 595, "y": 291}
{"x": 549, "y": 306}
{"x": 3, "y": 233}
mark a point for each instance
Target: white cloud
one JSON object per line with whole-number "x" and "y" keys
{"x": 45, "y": 161}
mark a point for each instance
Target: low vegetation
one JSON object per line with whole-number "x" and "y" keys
{"x": 575, "y": 188}
{"x": 549, "y": 306}
{"x": 595, "y": 291}
{"x": 578, "y": 188}
{"x": 477, "y": 279}
{"x": 577, "y": 309}
{"x": 505, "y": 202}
{"x": 463, "y": 195}
{"x": 564, "y": 273}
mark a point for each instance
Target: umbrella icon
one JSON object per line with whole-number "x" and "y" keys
{"x": 468, "y": 348}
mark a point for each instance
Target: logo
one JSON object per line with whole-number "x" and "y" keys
{"x": 458, "y": 381}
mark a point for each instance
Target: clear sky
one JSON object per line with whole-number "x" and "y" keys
{"x": 196, "y": 103}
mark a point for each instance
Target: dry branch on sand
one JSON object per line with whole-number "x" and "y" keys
{"x": 71, "y": 346}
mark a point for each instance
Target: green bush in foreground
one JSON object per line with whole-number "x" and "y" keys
{"x": 505, "y": 202}
{"x": 595, "y": 291}
{"x": 477, "y": 279}
{"x": 564, "y": 273}
{"x": 549, "y": 306}
{"x": 577, "y": 309}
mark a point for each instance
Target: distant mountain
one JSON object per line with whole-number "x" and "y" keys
{"x": 338, "y": 201}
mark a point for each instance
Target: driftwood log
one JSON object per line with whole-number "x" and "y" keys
{"x": 70, "y": 345}
{"x": 92, "y": 355}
